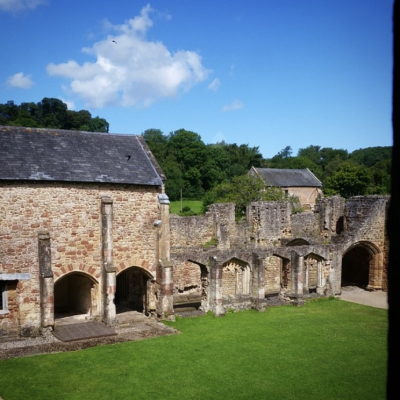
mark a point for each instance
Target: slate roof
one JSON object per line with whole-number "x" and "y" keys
{"x": 73, "y": 156}
{"x": 288, "y": 177}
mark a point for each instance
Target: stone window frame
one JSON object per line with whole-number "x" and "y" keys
{"x": 3, "y": 298}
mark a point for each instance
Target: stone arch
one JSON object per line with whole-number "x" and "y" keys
{"x": 134, "y": 290}
{"x": 236, "y": 278}
{"x": 191, "y": 280}
{"x": 313, "y": 273}
{"x": 76, "y": 293}
{"x": 298, "y": 242}
{"x": 362, "y": 266}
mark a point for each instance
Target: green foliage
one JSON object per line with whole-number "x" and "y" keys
{"x": 242, "y": 190}
{"x": 349, "y": 180}
{"x": 371, "y": 155}
{"x": 371, "y": 168}
{"x": 192, "y": 167}
{"x": 212, "y": 242}
{"x": 50, "y": 113}
{"x": 290, "y": 353}
{"x": 209, "y": 171}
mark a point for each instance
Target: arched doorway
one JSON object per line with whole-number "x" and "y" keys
{"x": 359, "y": 265}
{"x": 75, "y": 293}
{"x": 312, "y": 273}
{"x": 132, "y": 292}
{"x": 236, "y": 279}
{"x": 190, "y": 285}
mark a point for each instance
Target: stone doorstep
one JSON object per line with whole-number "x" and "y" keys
{"x": 81, "y": 331}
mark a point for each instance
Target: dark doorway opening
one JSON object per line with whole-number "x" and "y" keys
{"x": 73, "y": 295}
{"x": 355, "y": 267}
{"x": 131, "y": 293}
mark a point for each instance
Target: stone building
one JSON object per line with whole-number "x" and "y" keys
{"x": 83, "y": 228}
{"x": 301, "y": 183}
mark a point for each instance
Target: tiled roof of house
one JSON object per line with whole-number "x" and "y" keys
{"x": 288, "y": 177}
{"x": 75, "y": 156}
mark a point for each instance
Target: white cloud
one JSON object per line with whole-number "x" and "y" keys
{"x": 20, "y": 80}
{"x": 214, "y": 84}
{"x": 235, "y": 105}
{"x": 19, "y": 5}
{"x": 129, "y": 69}
{"x": 70, "y": 104}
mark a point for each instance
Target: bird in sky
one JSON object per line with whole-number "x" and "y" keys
{"x": 114, "y": 41}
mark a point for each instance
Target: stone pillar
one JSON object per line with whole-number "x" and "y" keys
{"x": 215, "y": 291}
{"x": 320, "y": 279}
{"x": 205, "y": 286}
{"x": 375, "y": 272}
{"x": 334, "y": 281}
{"x": 306, "y": 269}
{"x": 297, "y": 263}
{"x": 46, "y": 283}
{"x": 166, "y": 290}
{"x": 258, "y": 286}
{"x": 165, "y": 268}
{"x": 109, "y": 277}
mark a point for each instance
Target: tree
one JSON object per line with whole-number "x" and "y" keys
{"x": 349, "y": 180}
{"x": 371, "y": 155}
{"x": 157, "y": 143}
{"x": 98, "y": 124}
{"x": 50, "y": 113}
{"x": 312, "y": 153}
{"x": 189, "y": 152}
{"x": 54, "y": 113}
{"x": 242, "y": 190}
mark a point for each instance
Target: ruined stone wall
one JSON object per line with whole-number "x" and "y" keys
{"x": 273, "y": 267}
{"x": 306, "y": 225}
{"x": 187, "y": 282}
{"x": 331, "y": 211}
{"x": 318, "y": 240}
{"x": 365, "y": 218}
{"x": 217, "y": 226}
{"x": 71, "y": 215}
{"x": 268, "y": 222}
{"x": 191, "y": 231}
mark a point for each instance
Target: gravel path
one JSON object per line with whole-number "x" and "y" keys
{"x": 357, "y": 295}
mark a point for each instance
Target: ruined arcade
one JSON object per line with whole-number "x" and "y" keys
{"x": 85, "y": 228}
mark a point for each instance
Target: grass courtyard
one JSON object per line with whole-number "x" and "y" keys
{"x": 327, "y": 349}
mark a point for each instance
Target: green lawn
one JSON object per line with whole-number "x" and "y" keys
{"x": 195, "y": 206}
{"x": 324, "y": 350}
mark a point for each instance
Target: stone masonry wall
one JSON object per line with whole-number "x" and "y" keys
{"x": 71, "y": 215}
{"x": 318, "y": 239}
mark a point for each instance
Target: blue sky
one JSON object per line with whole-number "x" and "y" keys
{"x": 266, "y": 73}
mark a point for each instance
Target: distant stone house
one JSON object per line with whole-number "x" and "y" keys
{"x": 301, "y": 183}
{"x": 84, "y": 228}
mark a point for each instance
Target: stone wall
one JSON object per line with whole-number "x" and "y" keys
{"x": 302, "y": 252}
{"x": 70, "y": 213}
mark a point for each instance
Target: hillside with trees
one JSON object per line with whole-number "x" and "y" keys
{"x": 214, "y": 172}
{"x": 50, "y": 113}
{"x": 210, "y": 171}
